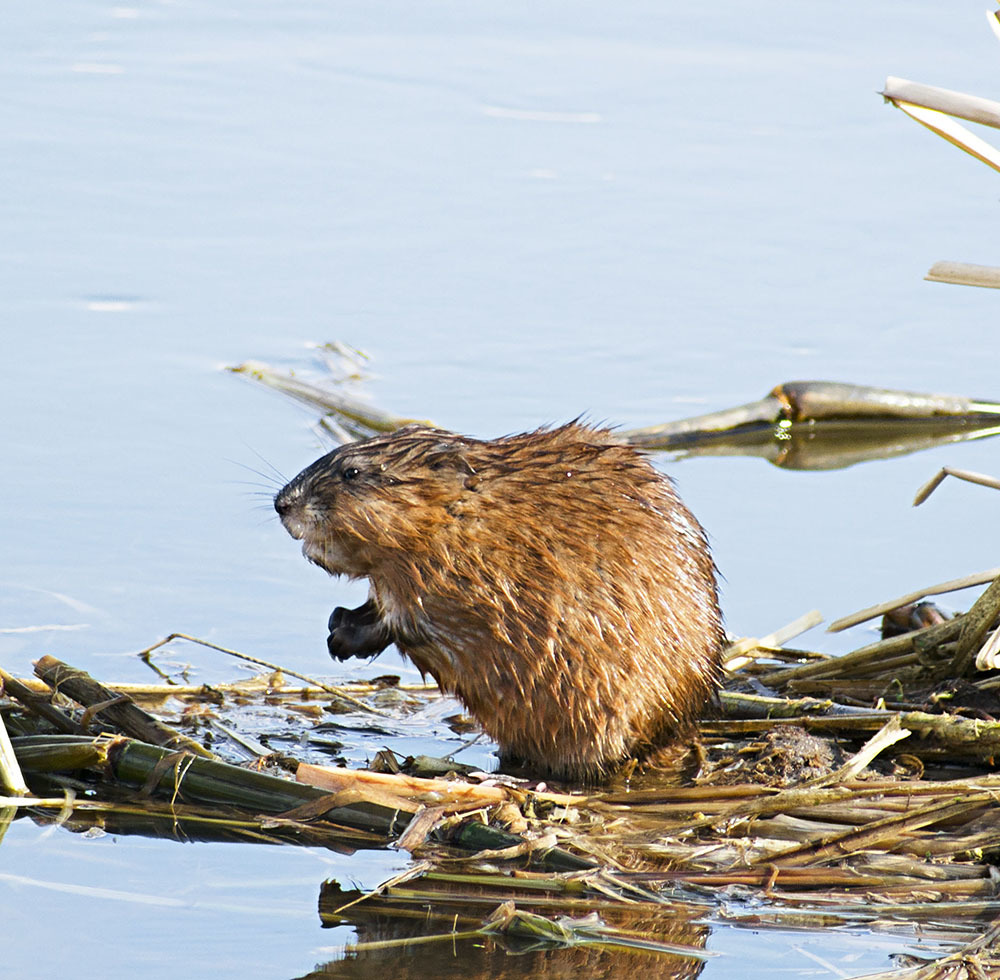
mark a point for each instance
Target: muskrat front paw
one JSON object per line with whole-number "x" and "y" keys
{"x": 356, "y": 632}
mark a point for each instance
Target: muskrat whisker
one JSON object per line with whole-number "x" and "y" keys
{"x": 277, "y": 474}
{"x": 266, "y": 494}
{"x": 274, "y": 480}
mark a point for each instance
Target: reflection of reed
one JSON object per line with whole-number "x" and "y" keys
{"x": 187, "y": 824}
{"x": 822, "y": 425}
{"x": 385, "y": 923}
{"x": 479, "y": 959}
{"x": 800, "y": 425}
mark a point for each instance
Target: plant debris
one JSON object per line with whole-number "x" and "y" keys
{"x": 860, "y": 788}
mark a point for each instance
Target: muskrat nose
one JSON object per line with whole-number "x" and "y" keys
{"x": 284, "y": 504}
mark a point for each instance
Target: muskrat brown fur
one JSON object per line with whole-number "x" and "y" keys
{"x": 553, "y": 580}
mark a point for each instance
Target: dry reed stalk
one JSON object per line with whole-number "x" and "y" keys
{"x": 886, "y": 832}
{"x": 11, "y": 778}
{"x": 745, "y": 650}
{"x": 187, "y": 778}
{"x": 969, "y": 107}
{"x": 423, "y": 789}
{"x": 35, "y": 695}
{"x": 871, "y": 656}
{"x": 117, "y": 708}
{"x": 337, "y": 691}
{"x": 964, "y": 274}
{"x": 975, "y": 625}
{"x": 940, "y": 588}
{"x": 935, "y": 481}
{"x": 362, "y": 419}
{"x": 271, "y": 685}
{"x": 965, "y": 737}
{"x": 934, "y": 108}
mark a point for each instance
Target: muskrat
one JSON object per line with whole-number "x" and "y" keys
{"x": 552, "y": 580}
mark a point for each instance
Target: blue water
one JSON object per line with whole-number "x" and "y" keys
{"x": 638, "y": 211}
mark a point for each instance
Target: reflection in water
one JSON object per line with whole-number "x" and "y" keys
{"x": 474, "y": 959}
{"x": 187, "y": 825}
{"x": 826, "y": 425}
{"x": 799, "y": 425}
{"x": 384, "y": 925}
{"x": 834, "y": 445}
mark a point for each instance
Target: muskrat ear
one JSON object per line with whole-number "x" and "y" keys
{"x": 449, "y": 456}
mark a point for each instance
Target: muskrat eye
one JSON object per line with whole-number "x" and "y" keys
{"x": 350, "y": 473}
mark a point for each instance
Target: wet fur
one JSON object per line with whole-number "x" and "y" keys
{"x": 552, "y": 580}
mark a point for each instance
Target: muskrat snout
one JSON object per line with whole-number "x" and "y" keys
{"x": 285, "y": 504}
{"x": 307, "y": 507}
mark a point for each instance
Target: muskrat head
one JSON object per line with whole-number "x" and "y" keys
{"x": 365, "y": 505}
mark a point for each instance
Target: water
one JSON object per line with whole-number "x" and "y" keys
{"x": 638, "y": 212}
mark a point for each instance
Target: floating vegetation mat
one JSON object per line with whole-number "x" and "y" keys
{"x": 857, "y": 791}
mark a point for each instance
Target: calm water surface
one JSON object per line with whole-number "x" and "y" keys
{"x": 638, "y": 211}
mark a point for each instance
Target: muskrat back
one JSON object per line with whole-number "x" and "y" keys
{"x": 552, "y": 580}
